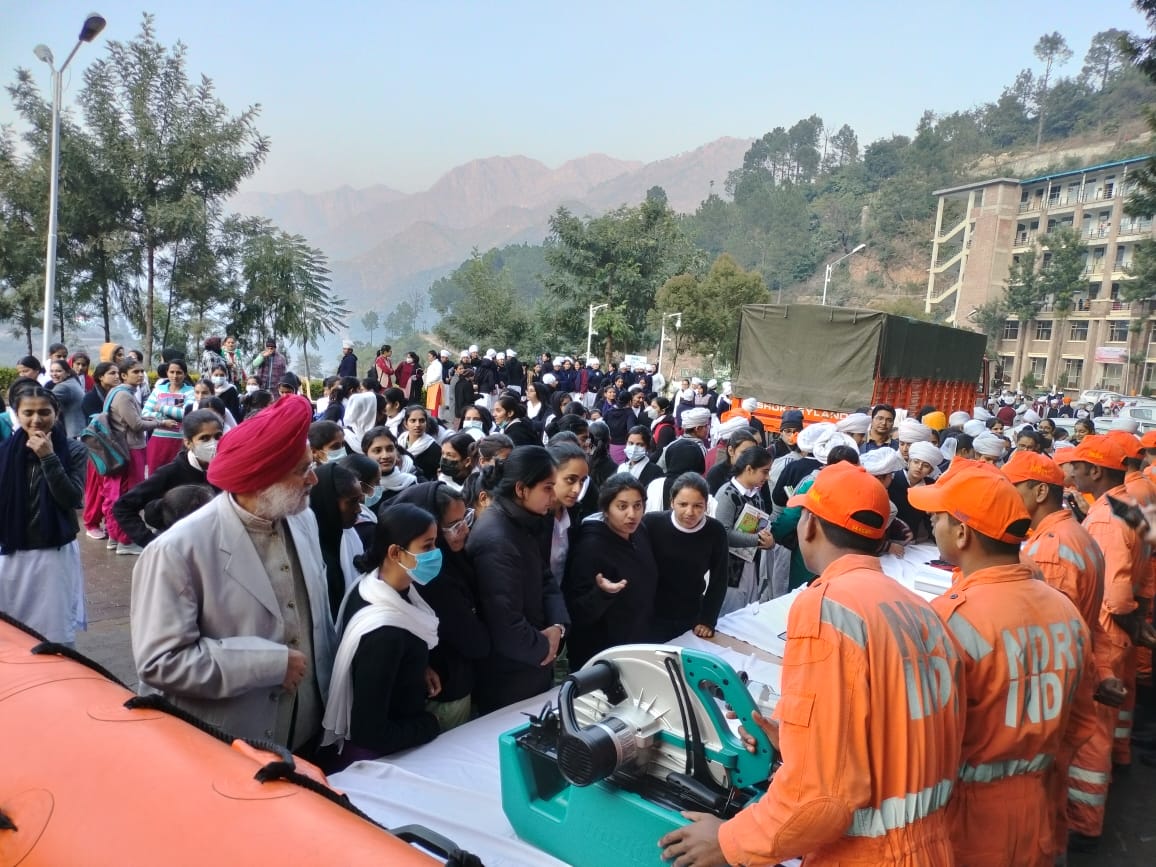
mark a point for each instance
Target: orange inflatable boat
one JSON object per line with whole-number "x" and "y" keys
{"x": 91, "y": 774}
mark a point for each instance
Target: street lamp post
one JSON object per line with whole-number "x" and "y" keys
{"x": 831, "y": 266}
{"x": 93, "y": 24}
{"x": 662, "y": 335}
{"x": 594, "y": 308}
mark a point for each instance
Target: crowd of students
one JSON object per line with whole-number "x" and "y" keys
{"x": 477, "y": 529}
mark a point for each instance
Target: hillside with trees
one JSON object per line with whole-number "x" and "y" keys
{"x": 804, "y": 195}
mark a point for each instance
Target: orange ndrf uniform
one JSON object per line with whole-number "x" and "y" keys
{"x": 871, "y": 713}
{"x": 1025, "y": 651}
{"x": 1125, "y": 563}
{"x": 1071, "y": 562}
{"x": 870, "y": 718}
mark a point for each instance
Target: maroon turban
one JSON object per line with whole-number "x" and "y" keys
{"x": 257, "y": 453}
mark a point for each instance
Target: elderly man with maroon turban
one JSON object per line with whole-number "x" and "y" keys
{"x": 230, "y": 610}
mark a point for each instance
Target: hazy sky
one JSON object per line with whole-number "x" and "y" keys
{"x": 362, "y": 93}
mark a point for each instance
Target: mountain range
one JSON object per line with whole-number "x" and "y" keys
{"x": 384, "y": 244}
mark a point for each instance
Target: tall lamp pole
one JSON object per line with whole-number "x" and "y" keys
{"x": 93, "y": 24}
{"x": 594, "y": 308}
{"x": 662, "y": 335}
{"x": 831, "y": 266}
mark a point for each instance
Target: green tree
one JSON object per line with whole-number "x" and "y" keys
{"x": 991, "y": 318}
{"x": 1024, "y": 296}
{"x": 401, "y": 323}
{"x": 1063, "y": 276}
{"x": 710, "y": 307}
{"x": 619, "y": 259}
{"x": 175, "y": 147}
{"x": 285, "y": 290}
{"x": 21, "y": 242}
{"x": 1142, "y": 52}
{"x": 1052, "y": 50}
{"x": 489, "y": 312}
{"x": 1106, "y": 58}
{"x": 1142, "y": 286}
{"x": 370, "y": 321}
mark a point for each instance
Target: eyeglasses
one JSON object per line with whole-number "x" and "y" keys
{"x": 460, "y": 526}
{"x": 313, "y": 465}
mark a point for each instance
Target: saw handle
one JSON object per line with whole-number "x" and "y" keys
{"x": 704, "y": 670}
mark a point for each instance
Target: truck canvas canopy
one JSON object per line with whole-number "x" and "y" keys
{"x": 833, "y": 357}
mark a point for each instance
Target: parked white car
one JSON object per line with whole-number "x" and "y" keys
{"x": 1144, "y": 414}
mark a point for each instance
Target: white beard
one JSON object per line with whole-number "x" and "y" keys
{"x": 282, "y": 500}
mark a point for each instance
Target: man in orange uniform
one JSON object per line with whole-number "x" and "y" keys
{"x": 1071, "y": 562}
{"x": 1025, "y": 649}
{"x": 1097, "y": 467}
{"x": 1142, "y": 489}
{"x": 871, "y": 714}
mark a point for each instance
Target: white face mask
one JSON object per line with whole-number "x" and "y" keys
{"x": 205, "y": 451}
{"x": 652, "y": 412}
{"x": 335, "y": 454}
{"x": 635, "y": 453}
{"x": 218, "y": 380}
{"x": 249, "y": 389}
{"x": 472, "y": 423}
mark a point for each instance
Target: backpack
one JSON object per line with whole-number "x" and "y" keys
{"x": 106, "y": 448}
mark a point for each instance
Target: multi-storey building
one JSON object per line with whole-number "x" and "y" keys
{"x": 981, "y": 229}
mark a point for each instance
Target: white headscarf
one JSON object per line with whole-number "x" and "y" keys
{"x": 974, "y": 428}
{"x": 912, "y": 431}
{"x": 855, "y": 423}
{"x": 989, "y": 444}
{"x": 360, "y": 417}
{"x": 814, "y": 434}
{"x": 925, "y": 452}
{"x": 823, "y": 449}
{"x": 958, "y": 419}
{"x": 880, "y": 462}
{"x": 386, "y": 607}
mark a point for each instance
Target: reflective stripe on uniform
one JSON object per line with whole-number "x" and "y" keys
{"x": 1088, "y": 798}
{"x": 968, "y": 636}
{"x": 1072, "y": 556}
{"x": 895, "y": 813}
{"x": 1123, "y": 733}
{"x": 1124, "y": 715}
{"x": 1095, "y": 778}
{"x": 989, "y": 772}
{"x": 845, "y": 620}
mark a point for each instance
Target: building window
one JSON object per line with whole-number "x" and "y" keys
{"x": 1117, "y": 330}
{"x": 1044, "y": 329}
{"x": 1006, "y": 363}
{"x": 1078, "y": 331}
{"x": 978, "y": 199}
{"x": 1113, "y": 377}
{"x": 1011, "y": 330}
{"x": 1073, "y": 370}
{"x": 1039, "y": 367}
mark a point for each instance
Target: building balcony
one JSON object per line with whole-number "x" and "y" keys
{"x": 1098, "y": 233}
{"x": 1140, "y": 227}
{"x": 1030, "y": 207}
{"x": 1024, "y": 239}
{"x": 1096, "y": 271}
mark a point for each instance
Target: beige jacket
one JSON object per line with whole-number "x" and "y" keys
{"x": 206, "y": 627}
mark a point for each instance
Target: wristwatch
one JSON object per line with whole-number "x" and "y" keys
{"x": 562, "y": 629}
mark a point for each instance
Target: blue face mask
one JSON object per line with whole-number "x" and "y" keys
{"x": 429, "y": 564}
{"x": 375, "y": 498}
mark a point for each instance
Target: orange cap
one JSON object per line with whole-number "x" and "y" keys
{"x": 1025, "y": 466}
{"x": 1067, "y": 400}
{"x": 1097, "y": 449}
{"x": 848, "y": 497}
{"x": 1148, "y": 441}
{"x": 980, "y": 496}
{"x": 1127, "y": 442}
